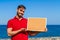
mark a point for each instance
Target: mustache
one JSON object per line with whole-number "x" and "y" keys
{"x": 21, "y": 14}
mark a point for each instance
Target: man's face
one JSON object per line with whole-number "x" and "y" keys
{"x": 20, "y": 12}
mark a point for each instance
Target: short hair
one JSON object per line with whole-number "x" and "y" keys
{"x": 21, "y": 6}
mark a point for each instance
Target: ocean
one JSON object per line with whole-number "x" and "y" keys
{"x": 53, "y": 31}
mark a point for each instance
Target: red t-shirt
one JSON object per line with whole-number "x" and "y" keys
{"x": 17, "y": 24}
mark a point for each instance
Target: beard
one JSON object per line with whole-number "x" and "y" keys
{"x": 20, "y": 15}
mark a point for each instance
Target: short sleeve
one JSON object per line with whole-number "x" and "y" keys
{"x": 9, "y": 24}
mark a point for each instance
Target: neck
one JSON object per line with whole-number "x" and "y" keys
{"x": 18, "y": 17}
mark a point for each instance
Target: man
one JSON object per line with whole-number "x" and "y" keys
{"x": 16, "y": 27}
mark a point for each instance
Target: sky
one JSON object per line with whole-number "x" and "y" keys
{"x": 49, "y": 9}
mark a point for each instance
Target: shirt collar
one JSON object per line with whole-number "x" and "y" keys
{"x": 17, "y": 18}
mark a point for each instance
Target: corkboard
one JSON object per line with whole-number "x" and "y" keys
{"x": 36, "y": 24}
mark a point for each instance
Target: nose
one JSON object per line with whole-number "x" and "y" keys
{"x": 22, "y": 13}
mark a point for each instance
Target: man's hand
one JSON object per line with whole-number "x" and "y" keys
{"x": 45, "y": 30}
{"x": 33, "y": 33}
{"x": 23, "y": 29}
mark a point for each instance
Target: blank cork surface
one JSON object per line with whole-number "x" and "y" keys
{"x": 36, "y": 24}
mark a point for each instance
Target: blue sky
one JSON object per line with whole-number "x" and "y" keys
{"x": 49, "y": 9}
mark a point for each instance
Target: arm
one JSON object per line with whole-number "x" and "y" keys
{"x": 33, "y": 33}
{"x": 11, "y": 33}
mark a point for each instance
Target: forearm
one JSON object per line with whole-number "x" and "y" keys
{"x": 11, "y": 33}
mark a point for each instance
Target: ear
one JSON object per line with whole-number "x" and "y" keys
{"x": 16, "y": 10}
